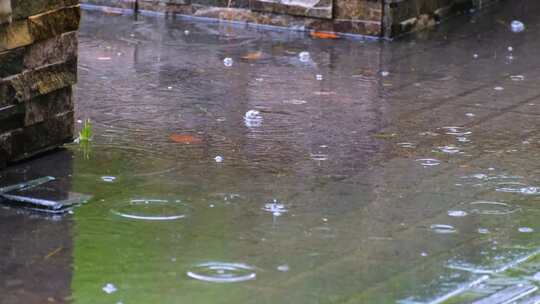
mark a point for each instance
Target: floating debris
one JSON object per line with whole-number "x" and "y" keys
{"x": 470, "y": 114}
{"x": 218, "y": 159}
{"x": 19, "y": 196}
{"x": 219, "y": 272}
{"x": 498, "y": 88}
{"x": 385, "y": 73}
{"x": 253, "y": 56}
{"x": 319, "y": 77}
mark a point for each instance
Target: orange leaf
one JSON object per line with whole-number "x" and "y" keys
{"x": 324, "y": 35}
{"x": 253, "y": 56}
{"x": 185, "y": 139}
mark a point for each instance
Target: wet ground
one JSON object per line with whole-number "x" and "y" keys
{"x": 358, "y": 172}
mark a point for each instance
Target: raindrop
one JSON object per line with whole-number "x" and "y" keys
{"x": 109, "y": 288}
{"x": 491, "y": 208}
{"x": 510, "y": 49}
{"x": 517, "y": 77}
{"x": 443, "y": 229}
{"x": 228, "y": 62}
{"x": 429, "y": 162}
{"x": 186, "y": 32}
{"x": 108, "y": 179}
{"x": 424, "y": 254}
{"x": 304, "y": 56}
{"x": 457, "y": 131}
{"x": 406, "y": 145}
{"x": 253, "y": 119}
{"x": 457, "y": 213}
{"x": 475, "y": 56}
{"x": 483, "y": 230}
{"x": 318, "y": 156}
{"x": 283, "y": 268}
{"x": 152, "y": 210}
{"x": 449, "y": 149}
{"x": 295, "y": 101}
{"x": 517, "y": 26}
{"x": 219, "y": 272}
{"x": 525, "y": 229}
{"x": 516, "y": 187}
{"x": 275, "y": 207}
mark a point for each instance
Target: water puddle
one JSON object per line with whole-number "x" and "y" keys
{"x": 152, "y": 210}
{"x": 219, "y": 272}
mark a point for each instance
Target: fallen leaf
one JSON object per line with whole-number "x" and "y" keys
{"x": 324, "y": 35}
{"x": 186, "y": 139}
{"x": 253, "y": 56}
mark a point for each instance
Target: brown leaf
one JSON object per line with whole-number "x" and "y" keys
{"x": 253, "y": 55}
{"x": 324, "y": 35}
{"x": 185, "y": 139}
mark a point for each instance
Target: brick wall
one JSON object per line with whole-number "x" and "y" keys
{"x": 38, "y": 66}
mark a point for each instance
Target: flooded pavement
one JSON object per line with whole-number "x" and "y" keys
{"x": 234, "y": 165}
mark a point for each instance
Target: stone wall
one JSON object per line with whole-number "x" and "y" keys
{"x": 38, "y": 66}
{"x": 381, "y": 18}
{"x": 404, "y": 16}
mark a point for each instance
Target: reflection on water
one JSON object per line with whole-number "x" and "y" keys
{"x": 302, "y": 171}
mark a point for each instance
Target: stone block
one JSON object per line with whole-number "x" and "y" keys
{"x": 54, "y": 23}
{"x": 45, "y": 107}
{"x": 32, "y": 83}
{"x": 43, "y": 136}
{"x": 54, "y": 50}
{"x": 25, "y": 8}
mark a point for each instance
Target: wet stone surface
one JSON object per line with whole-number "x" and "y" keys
{"x": 354, "y": 187}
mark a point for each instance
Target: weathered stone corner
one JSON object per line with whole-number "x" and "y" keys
{"x": 38, "y": 66}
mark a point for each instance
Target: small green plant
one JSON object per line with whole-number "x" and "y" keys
{"x": 86, "y": 133}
